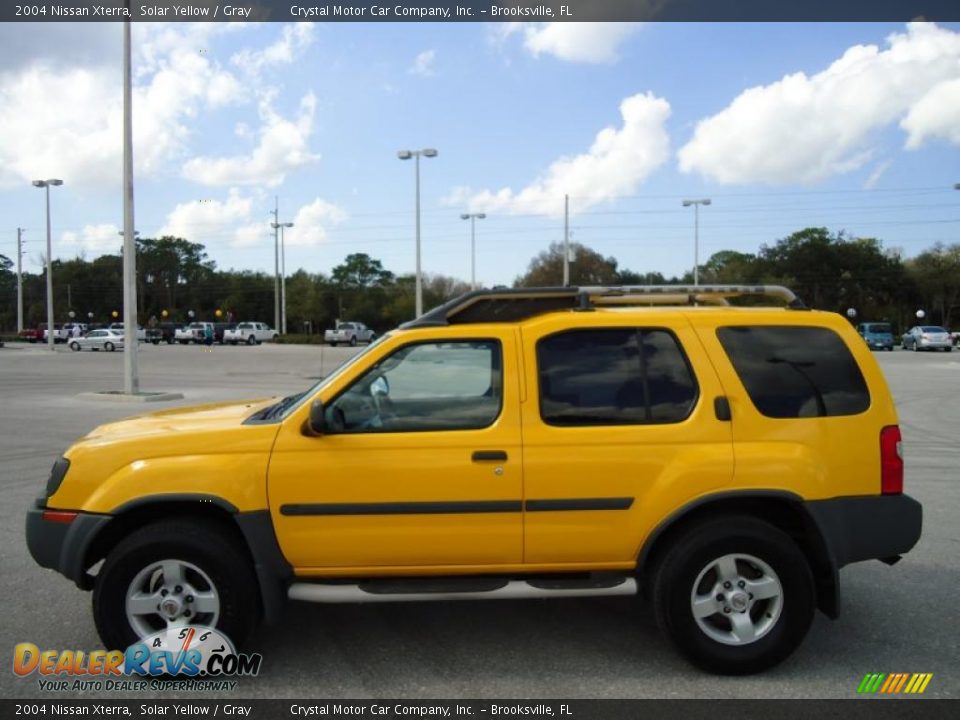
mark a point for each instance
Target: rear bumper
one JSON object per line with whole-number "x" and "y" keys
{"x": 62, "y": 546}
{"x": 867, "y": 527}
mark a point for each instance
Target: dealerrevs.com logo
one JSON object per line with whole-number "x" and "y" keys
{"x": 186, "y": 658}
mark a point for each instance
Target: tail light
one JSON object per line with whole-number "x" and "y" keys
{"x": 891, "y": 461}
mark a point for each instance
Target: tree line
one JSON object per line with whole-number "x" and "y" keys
{"x": 175, "y": 276}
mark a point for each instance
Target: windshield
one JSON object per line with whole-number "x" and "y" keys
{"x": 932, "y": 329}
{"x": 297, "y": 400}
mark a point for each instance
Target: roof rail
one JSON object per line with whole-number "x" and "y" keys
{"x": 512, "y": 304}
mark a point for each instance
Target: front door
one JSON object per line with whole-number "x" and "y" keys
{"x": 419, "y": 463}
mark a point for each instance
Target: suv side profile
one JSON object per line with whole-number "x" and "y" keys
{"x": 724, "y": 462}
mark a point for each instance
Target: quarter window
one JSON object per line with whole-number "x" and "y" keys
{"x": 795, "y": 372}
{"x": 424, "y": 386}
{"x": 614, "y": 377}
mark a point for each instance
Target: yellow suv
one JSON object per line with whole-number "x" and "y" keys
{"x": 723, "y": 460}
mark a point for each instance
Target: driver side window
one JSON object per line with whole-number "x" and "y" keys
{"x": 424, "y": 386}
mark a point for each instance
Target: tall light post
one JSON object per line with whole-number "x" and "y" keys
{"x": 46, "y": 184}
{"x": 696, "y": 234}
{"x": 283, "y": 280}
{"x": 473, "y": 217}
{"x": 406, "y": 155}
{"x": 131, "y": 375}
{"x": 20, "y": 232}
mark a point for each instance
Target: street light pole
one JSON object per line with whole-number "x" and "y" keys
{"x": 696, "y": 235}
{"x": 283, "y": 280}
{"x": 276, "y": 263}
{"x": 566, "y": 240}
{"x": 473, "y": 217}
{"x": 406, "y": 155}
{"x": 19, "y": 279}
{"x": 45, "y": 184}
{"x": 131, "y": 376}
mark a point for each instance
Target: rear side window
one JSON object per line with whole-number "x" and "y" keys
{"x": 795, "y": 372}
{"x": 614, "y": 377}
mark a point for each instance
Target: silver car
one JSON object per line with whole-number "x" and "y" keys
{"x": 927, "y": 337}
{"x": 106, "y": 339}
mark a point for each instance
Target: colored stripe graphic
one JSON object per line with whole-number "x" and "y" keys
{"x": 894, "y": 683}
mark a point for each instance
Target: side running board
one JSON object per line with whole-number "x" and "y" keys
{"x": 493, "y": 589}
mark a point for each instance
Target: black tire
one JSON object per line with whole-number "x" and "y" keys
{"x": 109, "y": 346}
{"x": 691, "y": 553}
{"x": 155, "y": 342}
{"x": 949, "y": 349}
{"x": 353, "y": 341}
{"x": 75, "y": 346}
{"x": 251, "y": 340}
{"x": 208, "y": 548}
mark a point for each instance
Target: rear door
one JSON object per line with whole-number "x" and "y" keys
{"x": 619, "y": 429}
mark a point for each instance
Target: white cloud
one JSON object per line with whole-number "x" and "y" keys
{"x": 282, "y": 147}
{"x": 806, "y": 128}
{"x": 61, "y": 119}
{"x": 878, "y": 172}
{"x": 95, "y": 238}
{"x": 294, "y": 38}
{"x": 936, "y": 114}
{"x": 616, "y": 163}
{"x": 311, "y": 222}
{"x": 205, "y": 220}
{"x": 584, "y": 42}
{"x": 423, "y": 63}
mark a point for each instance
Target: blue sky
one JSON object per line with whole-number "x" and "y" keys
{"x": 782, "y": 126}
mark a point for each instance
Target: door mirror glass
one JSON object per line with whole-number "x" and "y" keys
{"x": 380, "y": 387}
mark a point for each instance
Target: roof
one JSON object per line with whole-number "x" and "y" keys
{"x": 514, "y": 304}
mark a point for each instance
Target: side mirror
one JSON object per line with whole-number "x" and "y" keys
{"x": 380, "y": 387}
{"x": 316, "y": 421}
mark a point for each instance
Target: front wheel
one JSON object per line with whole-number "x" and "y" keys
{"x": 174, "y": 573}
{"x": 75, "y": 346}
{"x": 109, "y": 346}
{"x": 735, "y": 595}
{"x": 251, "y": 340}
{"x": 353, "y": 341}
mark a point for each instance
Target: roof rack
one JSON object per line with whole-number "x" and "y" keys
{"x": 513, "y": 304}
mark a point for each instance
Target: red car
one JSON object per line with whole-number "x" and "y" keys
{"x": 31, "y": 335}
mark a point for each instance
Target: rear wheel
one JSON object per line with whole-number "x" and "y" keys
{"x": 109, "y": 346}
{"x": 170, "y": 574}
{"x": 735, "y": 595}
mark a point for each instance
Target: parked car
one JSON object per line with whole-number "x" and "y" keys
{"x": 118, "y": 328}
{"x": 251, "y": 333}
{"x": 877, "y": 335}
{"x": 219, "y": 329}
{"x": 349, "y": 333}
{"x": 59, "y": 332}
{"x": 726, "y": 462}
{"x": 195, "y": 332}
{"x": 104, "y": 339}
{"x": 31, "y": 335}
{"x": 927, "y": 337}
{"x": 162, "y": 332}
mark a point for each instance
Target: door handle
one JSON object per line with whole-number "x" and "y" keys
{"x": 721, "y": 408}
{"x": 489, "y": 456}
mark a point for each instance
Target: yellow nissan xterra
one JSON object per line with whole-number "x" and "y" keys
{"x": 723, "y": 460}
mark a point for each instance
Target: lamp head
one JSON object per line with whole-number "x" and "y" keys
{"x": 464, "y": 216}
{"x": 429, "y": 152}
{"x": 404, "y": 154}
{"x": 39, "y": 183}
{"x": 481, "y": 216}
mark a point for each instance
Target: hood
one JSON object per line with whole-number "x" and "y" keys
{"x": 209, "y": 418}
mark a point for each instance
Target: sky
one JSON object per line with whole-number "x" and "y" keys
{"x": 855, "y": 127}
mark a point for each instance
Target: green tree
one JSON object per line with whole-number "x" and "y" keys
{"x": 937, "y": 275}
{"x": 588, "y": 268}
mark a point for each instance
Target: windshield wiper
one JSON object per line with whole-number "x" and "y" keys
{"x": 273, "y": 410}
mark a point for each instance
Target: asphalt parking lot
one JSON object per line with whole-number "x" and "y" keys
{"x": 894, "y": 619}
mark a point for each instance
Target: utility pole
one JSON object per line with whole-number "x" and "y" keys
{"x": 276, "y": 263}
{"x": 131, "y": 377}
{"x": 566, "y": 240}
{"x": 69, "y": 298}
{"x": 20, "y": 232}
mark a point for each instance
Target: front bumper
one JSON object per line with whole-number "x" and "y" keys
{"x": 880, "y": 527}
{"x": 62, "y": 546}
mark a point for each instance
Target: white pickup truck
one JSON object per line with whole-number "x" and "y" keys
{"x": 251, "y": 333}
{"x": 195, "y": 332}
{"x": 349, "y": 333}
{"x": 118, "y": 328}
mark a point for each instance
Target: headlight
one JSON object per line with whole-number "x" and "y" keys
{"x": 57, "y": 474}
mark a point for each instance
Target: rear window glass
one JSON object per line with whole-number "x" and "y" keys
{"x": 878, "y": 328}
{"x": 932, "y": 329}
{"x": 614, "y": 377}
{"x": 794, "y": 372}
